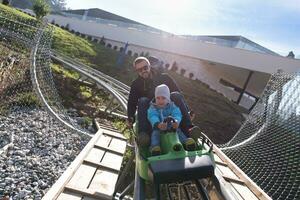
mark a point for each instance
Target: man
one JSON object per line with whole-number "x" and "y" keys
{"x": 142, "y": 92}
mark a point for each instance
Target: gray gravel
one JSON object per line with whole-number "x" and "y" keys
{"x": 41, "y": 152}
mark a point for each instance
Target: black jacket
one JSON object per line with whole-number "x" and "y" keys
{"x": 141, "y": 87}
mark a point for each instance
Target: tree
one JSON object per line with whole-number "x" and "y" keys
{"x": 41, "y": 9}
{"x": 5, "y": 2}
{"x": 182, "y": 71}
{"x": 191, "y": 75}
{"x": 174, "y": 67}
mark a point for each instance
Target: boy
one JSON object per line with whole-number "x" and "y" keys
{"x": 161, "y": 108}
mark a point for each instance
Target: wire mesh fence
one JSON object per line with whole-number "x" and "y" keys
{"x": 38, "y": 136}
{"x": 267, "y": 146}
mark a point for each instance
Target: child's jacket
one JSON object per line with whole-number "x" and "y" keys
{"x": 157, "y": 115}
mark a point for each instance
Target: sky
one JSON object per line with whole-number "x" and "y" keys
{"x": 274, "y": 24}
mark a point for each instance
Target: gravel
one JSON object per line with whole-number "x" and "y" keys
{"x": 41, "y": 152}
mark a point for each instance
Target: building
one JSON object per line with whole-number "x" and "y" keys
{"x": 232, "y": 65}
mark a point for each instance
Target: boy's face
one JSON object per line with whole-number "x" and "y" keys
{"x": 161, "y": 101}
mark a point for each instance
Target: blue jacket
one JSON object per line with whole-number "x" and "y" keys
{"x": 157, "y": 115}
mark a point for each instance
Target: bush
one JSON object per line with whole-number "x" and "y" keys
{"x": 86, "y": 122}
{"x": 41, "y": 9}
{"x": 191, "y": 75}
{"x": 182, "y": 71}
{"x": 174, "y": 67}
{"x": 28, "y": 99}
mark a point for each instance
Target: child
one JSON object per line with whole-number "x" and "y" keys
{"x": 161, "y": 108}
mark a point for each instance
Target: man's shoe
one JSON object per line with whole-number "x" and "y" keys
{"x": 155, "y": 151}
{"x": 143, "y": 139}
{"x": 195, "y": 133}
{"x": 190, "y": 144}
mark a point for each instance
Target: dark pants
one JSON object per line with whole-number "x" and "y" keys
{"x": 143, "y": 105}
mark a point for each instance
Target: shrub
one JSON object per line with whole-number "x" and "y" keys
{"x": 174, "y": 67}
{"x": 41, "y": 9}
{"x": 191, "y": 75}
{"x": 182, "y": 71}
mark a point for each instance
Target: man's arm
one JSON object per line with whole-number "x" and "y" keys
{"x": 176, "y": 114}
{"x": 170, "y": 82}
{"x": 132, "y": 103}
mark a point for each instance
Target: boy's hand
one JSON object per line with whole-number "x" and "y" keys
{"x": 162, "y": 126}
{"x": 175, "y": 125}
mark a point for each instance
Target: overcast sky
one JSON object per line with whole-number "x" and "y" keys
{"x": 274, "y": 24}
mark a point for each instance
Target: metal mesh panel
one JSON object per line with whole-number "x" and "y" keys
{"x": 38, "y": 138}
{"x": 267, "y": 146}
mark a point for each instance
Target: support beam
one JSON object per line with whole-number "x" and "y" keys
{"x": 244, "y": 87}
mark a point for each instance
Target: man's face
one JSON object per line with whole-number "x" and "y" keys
{"x": 143, "y": 69}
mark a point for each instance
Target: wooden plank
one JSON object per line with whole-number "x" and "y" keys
{"x": 104, "y": 141}
{"x": 250, "y": 184}
{"x": 230, "y": 179}
{"x": 108, "y": 149}
{"x": 221, "y": 163}
{"x": 58, "y": 186}
{"x": 95, "y": 155}
{"x": 83, "y": 176}
{"x": 114, "y": 134}
{"x": 87, "y": 192}
{"x": 104, "y": 182}
{"x": 102, "y": 166}
{"x": 112, "y": 160}
{"x": 226, "y": 171}
{"x": 118, "y": 145}
{"x": 66, "y": 195}
{"x": 218, "y": 160}
{"x": 244, "y": 191}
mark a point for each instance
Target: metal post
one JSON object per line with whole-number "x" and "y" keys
{"x": 244, "y": 87}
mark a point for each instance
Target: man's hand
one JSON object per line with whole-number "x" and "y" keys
{"x": 175, "y": 125}
{"x": 129, "y": 123}
{"x": 162, "y": 126}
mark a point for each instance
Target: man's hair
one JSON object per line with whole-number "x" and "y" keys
{"x": 139, "y": 60}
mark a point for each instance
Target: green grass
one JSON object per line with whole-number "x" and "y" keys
{"x": 66, "y": 73}
{"x": 15, "y": 14}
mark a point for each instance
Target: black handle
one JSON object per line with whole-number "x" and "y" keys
{"x": 169, "y": 120}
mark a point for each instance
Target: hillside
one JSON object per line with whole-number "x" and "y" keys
{"x": 218, "y": 117}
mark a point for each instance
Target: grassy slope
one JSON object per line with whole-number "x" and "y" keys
{"x": 217, "y": 116}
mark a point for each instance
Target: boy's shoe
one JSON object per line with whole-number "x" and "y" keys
{"x": 195, "y": 132}
{"x": 155, "y": 151}
{"x": 177, "y": 147}
{"x": 190, "y": 144}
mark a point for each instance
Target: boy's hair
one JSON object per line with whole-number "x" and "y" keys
{"x": 140, "y": 59}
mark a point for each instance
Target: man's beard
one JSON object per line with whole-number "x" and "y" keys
{"x": 145, "y": 74}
